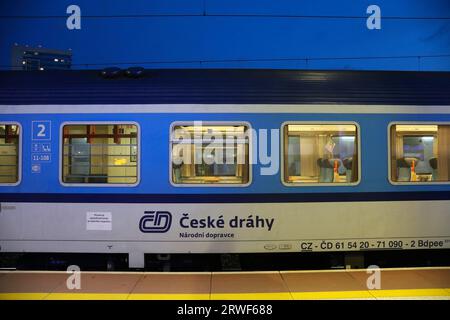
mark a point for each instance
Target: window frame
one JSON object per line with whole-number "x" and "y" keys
{"x": 409, "y": 183}
{"x": 19, "y": 158}
{"x": 209, "y": 185}
{"x": 101, "y": 185}
{"x": 318, "y": 184}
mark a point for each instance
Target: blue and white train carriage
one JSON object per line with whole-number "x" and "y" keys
{"x": 224, "y": 161}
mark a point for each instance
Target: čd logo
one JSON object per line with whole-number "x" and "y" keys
{"x": 155, "y": 221}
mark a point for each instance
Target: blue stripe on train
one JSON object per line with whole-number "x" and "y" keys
{"x": 224, "y": 198}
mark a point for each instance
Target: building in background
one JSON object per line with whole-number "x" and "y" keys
{"x": 38, "y": 58}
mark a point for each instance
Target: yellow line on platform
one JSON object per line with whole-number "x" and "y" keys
{"x": 443, "y": 293}
{"x": 411, "y": 293}
{"x": 326, "y": 295}
{"x": 373, "y": 294}
{"x": 23, "y": 296}
{"x": 252, "y": 296}
{"x": 168, "y": 296}
{"x": 87, "y": 296}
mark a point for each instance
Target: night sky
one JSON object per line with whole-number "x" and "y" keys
{"x": 292, "y": 34}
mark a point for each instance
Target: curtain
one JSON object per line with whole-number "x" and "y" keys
{"x": 308, "y": 156}
{"x": 443, "y": 153}
{"x": 396, "y": 151}
{"x": 399, "y": 147}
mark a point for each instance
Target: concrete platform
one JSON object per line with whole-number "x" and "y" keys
{"x": 412, "y": 283}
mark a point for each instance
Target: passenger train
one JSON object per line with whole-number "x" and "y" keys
{"x": 223, "y": 161}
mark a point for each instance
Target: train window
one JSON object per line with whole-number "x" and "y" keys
{"x": 100, "y": 154}
{"x": 419, "y": 153}
{"x": 210, "y": 154}
{"x": 320, "y": 154}
{"x": 9, "y": 153}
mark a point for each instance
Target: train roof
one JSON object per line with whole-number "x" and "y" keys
{"x": 226, "y": 86}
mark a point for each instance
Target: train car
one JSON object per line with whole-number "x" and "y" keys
{"x": 224, "y": 161}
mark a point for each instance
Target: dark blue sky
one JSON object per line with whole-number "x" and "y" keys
{"x": 121, "y": 32}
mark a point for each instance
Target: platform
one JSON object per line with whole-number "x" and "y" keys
{"x": 411, "y": 283}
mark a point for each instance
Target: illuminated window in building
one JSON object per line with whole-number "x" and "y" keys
{"x": 100, "y": 154}
{"x": 210, "y": 154}
{"x": 9, "y": 153}
{"x": 320, "y": 153}
{"x": 420, "y": 153}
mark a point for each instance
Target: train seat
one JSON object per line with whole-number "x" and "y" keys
{"x": 340, "y": 167}
{"x": 348, "y": 163}
{"x": 321, "y": 170}
{"x": 434, "y": 168}
{"x": 403, "y": 170}
{"x": 326, "y": 170}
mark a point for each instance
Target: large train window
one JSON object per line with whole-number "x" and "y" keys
{"x": 419, "y": 153}
{"x": 9, "y": 153}
{"x": 320, "y": 153}
{"x": 210, "y": 154}
{"x": 100, "y": 154}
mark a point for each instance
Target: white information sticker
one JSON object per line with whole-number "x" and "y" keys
{"x": 99, "y": 221}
